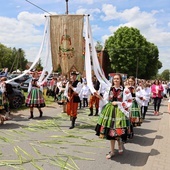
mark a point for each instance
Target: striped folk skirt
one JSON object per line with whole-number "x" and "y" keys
{"x": 35, "y": 98}
{"x": 135, "y": 117}
{"x": 112, "y": 123}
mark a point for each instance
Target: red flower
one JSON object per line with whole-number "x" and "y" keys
{"x": 129, "y": 100}
{"x": 101, "y": 128}
{"x": 127, "y": 92}
{"x": 123, "y": 104}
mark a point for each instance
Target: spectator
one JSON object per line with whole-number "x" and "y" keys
{"x": 4, "y": 72}
{"x": 157, "y": 90}
{"x": 168, "y": 89}
{"x": 84, "y": 93}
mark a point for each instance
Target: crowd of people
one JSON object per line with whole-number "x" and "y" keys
{"x": 126, "y": 103}
{"x": 126, "y": 106}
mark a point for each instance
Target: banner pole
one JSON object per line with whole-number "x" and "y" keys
{"x": 67, "y": 7}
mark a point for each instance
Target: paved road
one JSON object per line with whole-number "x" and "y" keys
{"x": 48, "y": 144}
{"x": 160, "y": 150}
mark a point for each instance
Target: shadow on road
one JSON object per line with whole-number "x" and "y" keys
{"x": 141, "y": 140}
{"x": 10, "y": 125}
{"x": 142, "y": 132}
{"x": 134, "y": 158}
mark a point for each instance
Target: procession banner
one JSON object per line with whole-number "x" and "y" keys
{"x": 66, "y": 35}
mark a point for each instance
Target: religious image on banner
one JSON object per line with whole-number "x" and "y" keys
{"x": 66, "y": 36}
{"x": 65, "y": 49}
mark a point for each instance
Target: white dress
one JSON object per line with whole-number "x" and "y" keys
{"x": 146, "y": 95}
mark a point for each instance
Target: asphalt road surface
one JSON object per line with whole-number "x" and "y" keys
{"x": 47, "y": 143}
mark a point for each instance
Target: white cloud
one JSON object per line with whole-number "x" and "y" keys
{"x": 87, "y": 11}
{"x": 104, "y": 38}
{"x": 63, "y": 1}
{"x": 146, "y": 22}
{"x": 26, "y": 30}
{"x": 31, "y": 18}
{"x": 81, "y": 11}
{"x": 92, "y": 12}
{"x": 23, "y": 32}
{"x": 95, "y": 28}
{"x": 109, "y": 11}
{"x": 84, "y": 1}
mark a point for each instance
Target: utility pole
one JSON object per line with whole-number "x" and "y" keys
{"x": 67, "y": 7}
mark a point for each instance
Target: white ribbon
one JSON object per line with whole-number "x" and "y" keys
{"x": 92, "y": 57}
{"x": 46, "y": 36}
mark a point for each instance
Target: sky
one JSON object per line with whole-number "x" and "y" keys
{"x": 22, "y": 23}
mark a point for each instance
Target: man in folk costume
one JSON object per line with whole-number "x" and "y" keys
{"x": 93, "y": 99}
{"x": 72, "y": 91}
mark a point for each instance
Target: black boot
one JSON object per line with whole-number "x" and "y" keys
{"x": 6, "y": 107}
{"x": 41, "y": 113}
{"x": 31, "y": 115}
{"x": 80, "y": 105}
{"x": 144, "y": 113}
{"x": 91, "y": 112}
{"x": 97, "y": 111}
{"x": 72, "y": 123}
{"x": 83, "y": 102}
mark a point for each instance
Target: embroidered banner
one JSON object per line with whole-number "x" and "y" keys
{"x": 67, "y": 44}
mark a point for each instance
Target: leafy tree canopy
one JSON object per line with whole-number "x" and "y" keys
{"x": 12, "y": 58}
{"x": 130, "y": 53}
{"x": 165, "y": 75}
{"x": 99, "y": 46}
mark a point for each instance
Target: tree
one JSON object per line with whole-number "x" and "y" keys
{"x": 153, "y": 63}
{"x": 130, "y": 53}
{"x": 39, "y": 66}
{"x": 5, "y": 56}
{"x": 12, "y": 58}
{"x": 19, "y": 59}
{"x": 98, "y": 46}
{"x": 165, "y": 74}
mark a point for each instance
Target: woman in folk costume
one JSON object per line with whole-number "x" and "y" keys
{"x": 135, "y": 114}
{"x": 4, "y": 99}
{"x": 156, "y": 90}
{"x": 35, "y": 96}
{"x": 72, "y": 91}
{"x": 114, "y": 116}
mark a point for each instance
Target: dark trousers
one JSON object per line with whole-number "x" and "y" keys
{"x": 168, "y": 91}
{"x": 143, "y": 111}
{"x": 157, "y": 103}
{"x": 85, "y": 102}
